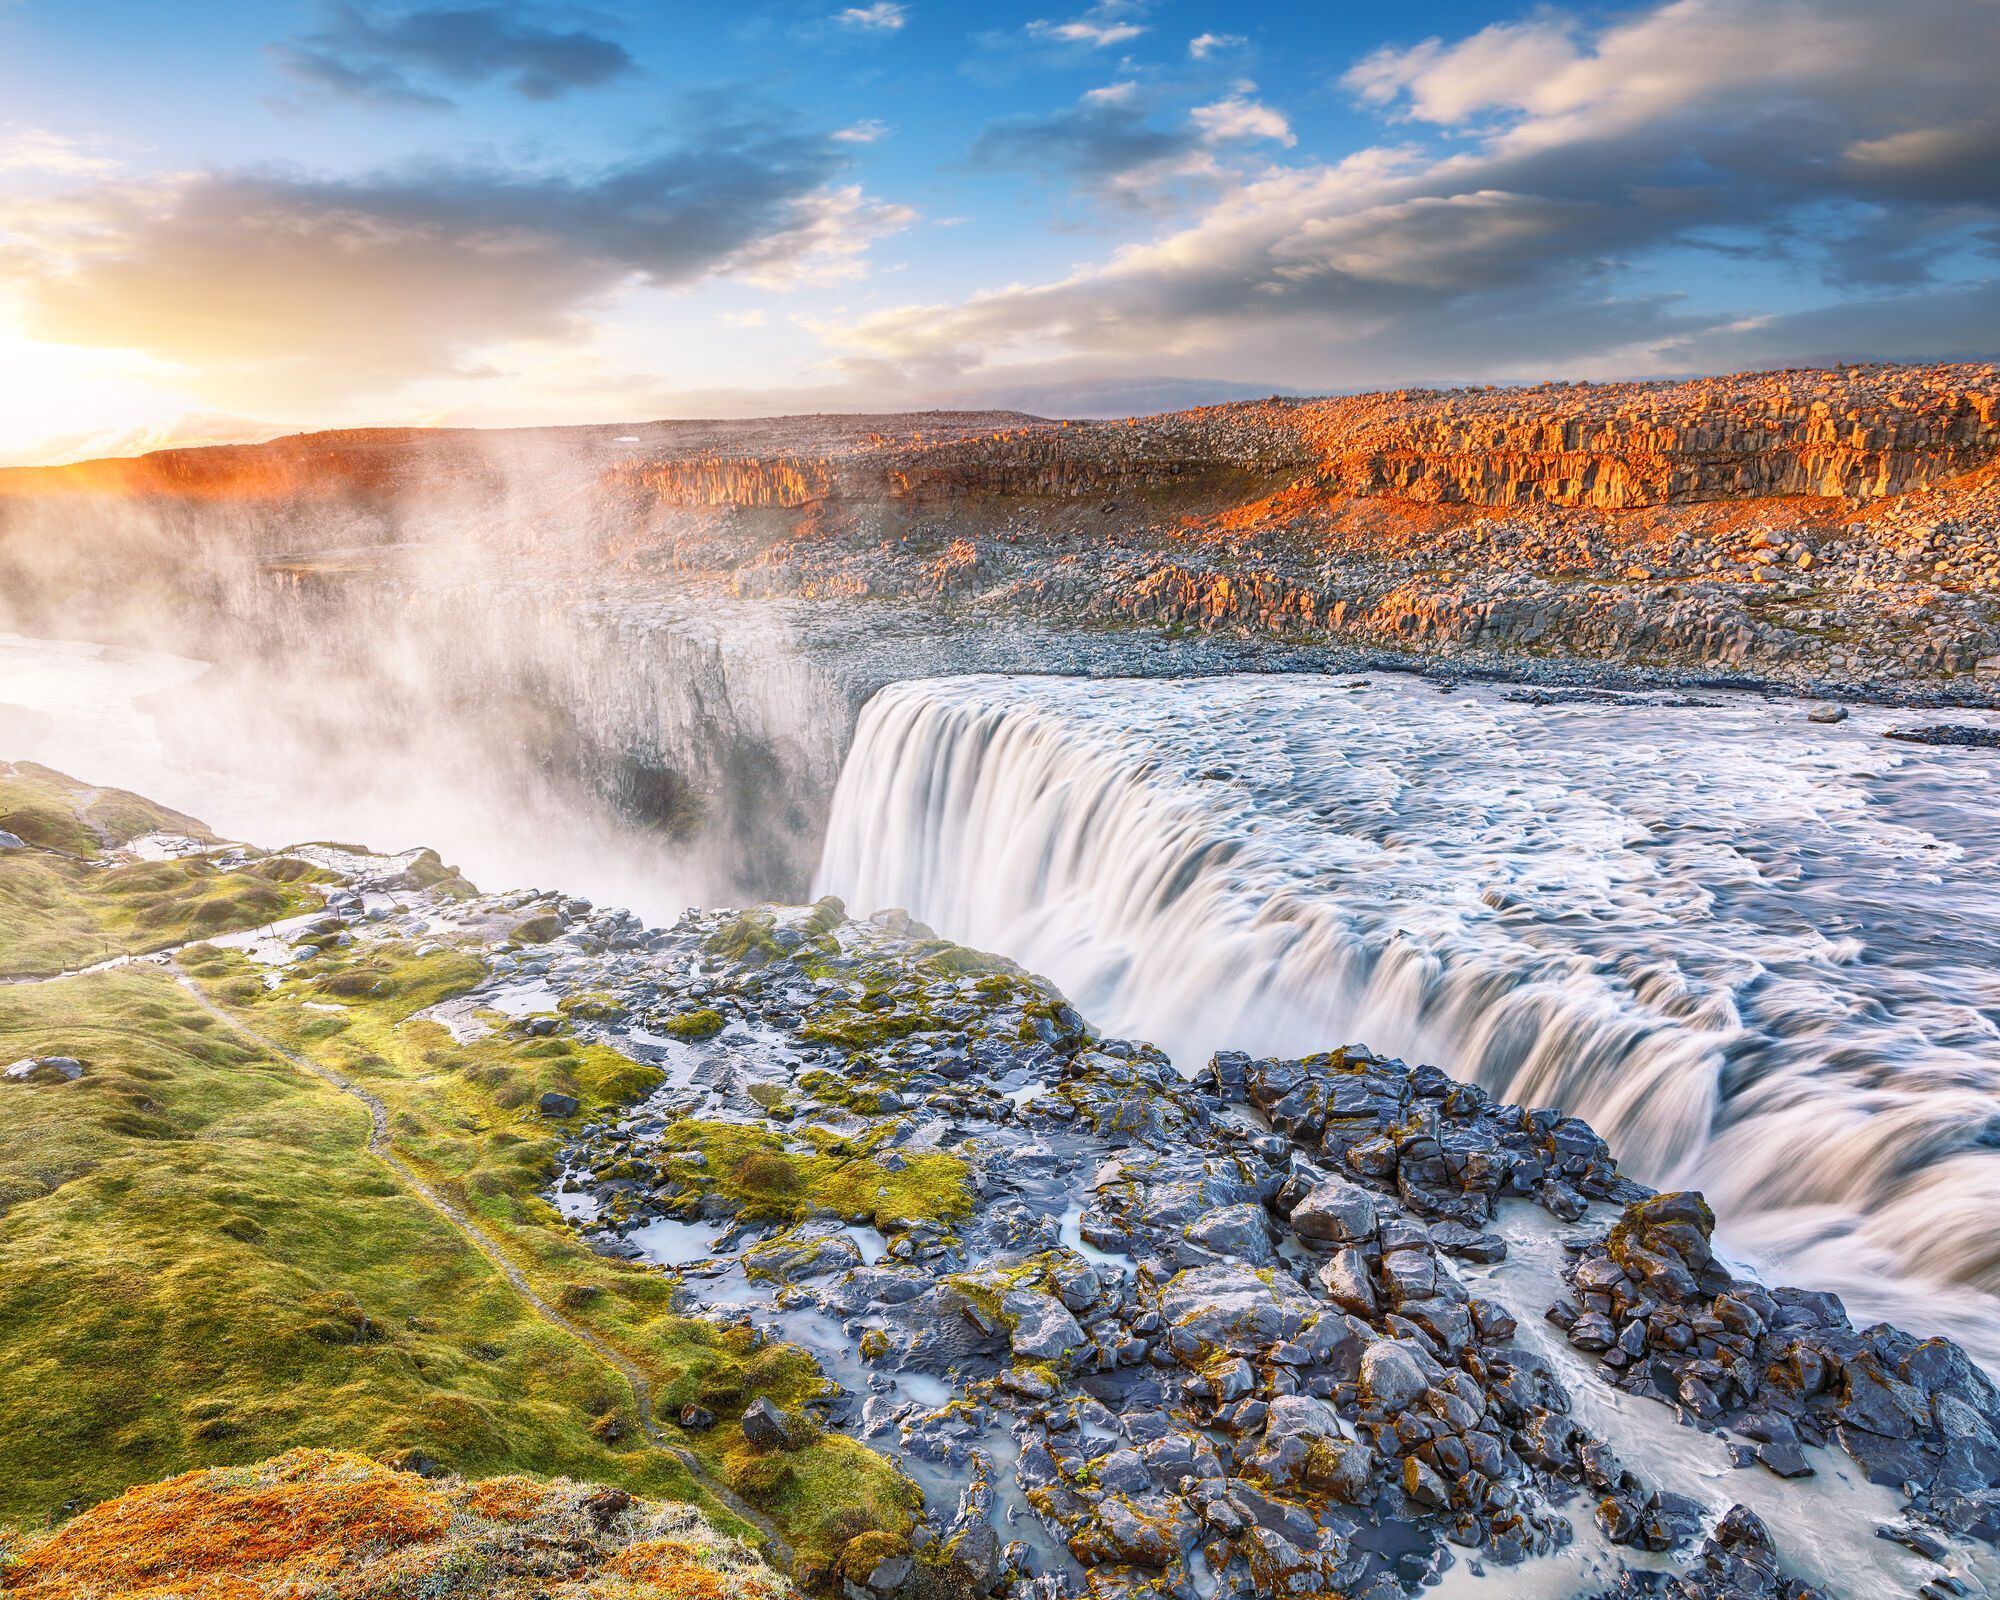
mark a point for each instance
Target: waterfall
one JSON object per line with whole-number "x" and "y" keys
{"x": 1758, "y": 955}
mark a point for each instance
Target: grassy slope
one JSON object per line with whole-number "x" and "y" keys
{"x": 200, "y": 1262}
{"x": 60, "y": 907}
{"x": 464, "y": 1116}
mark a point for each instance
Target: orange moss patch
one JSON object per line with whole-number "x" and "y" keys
{"x": 333, "y": 1526}
{"x": 310, "y": 1513}
{"x": 513, "y": 1499}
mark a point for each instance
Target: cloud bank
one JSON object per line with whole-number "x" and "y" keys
{"x": 411, "y": 58}
{"x": 1551, "y": 187}
{"x": 292, "y": 289}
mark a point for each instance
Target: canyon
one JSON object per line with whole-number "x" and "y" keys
{"x": 1294, "y": 879}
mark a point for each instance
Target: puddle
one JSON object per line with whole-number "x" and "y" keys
{"x": 669, "y": 1242}
{"x": 1070, "y": 1231}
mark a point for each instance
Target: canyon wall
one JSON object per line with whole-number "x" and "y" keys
{"x": 1837, "y": 435}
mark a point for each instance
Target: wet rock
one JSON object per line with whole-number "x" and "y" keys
{"x": 765, "y": 1427}
{"x": 1043, "y": 1329}
{"x": 1233, "y": 1309}
{"x": 1335, "y": 1212}
{"x": 557, "y": 1105}
{"x": 1238, "y": 1233}
{"x": 1392, "y": 1375}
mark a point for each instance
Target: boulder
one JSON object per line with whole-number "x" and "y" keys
{"x": 1392, "y": 1377}
{"x": 1336, "y": 1212}
{"x": 765, "y": 1427}
{"x": 1042, "y": 1328}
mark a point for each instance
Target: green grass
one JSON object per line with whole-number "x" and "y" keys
{"x": 201, "y": 1265}
{"x": 464, "y": 1115}
{"x": 62, "y": 907}
{"x": 55, "y": 812}
{"x": 774, "y": 1183}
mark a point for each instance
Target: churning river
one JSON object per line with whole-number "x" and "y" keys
{"x": 1760, "y": 955}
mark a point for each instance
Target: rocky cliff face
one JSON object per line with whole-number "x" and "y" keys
{"x": 1846, "y": 435}
{"x": 1832, "y": 524}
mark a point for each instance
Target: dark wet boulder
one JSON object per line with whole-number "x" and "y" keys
{"x": 1335, "y": 1212}
{"x": 1232, "y": 1309}
{"x": 1663, "y": 1243}
{"x": 557, "y": 1105}
{"x": 765, "y": 1427}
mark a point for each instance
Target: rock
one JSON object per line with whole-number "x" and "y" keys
{"x": 1232, "y": 1309}
{"x": 1345, "y": 1277}
{"x": 888, "y": 1575}
{"x": 11, "y": 841}
{"x": 1468, "y": 1244}
{"x": 1966, "y": 735}
{"x": 1238, "y": 1233}
{"x": 558, "y": 1105}
{"x": 696, "y": 1418}
{"x": 1827, "y": 714}
{"x": 1336, "y": 1212}
{"x": 1391, "y": 1375}
{"x": 765, "y": 1427}
{"x": 1305, "y": 1445}
{"x": 1043, "y": 1329}
{"x": 44, "y": 1069}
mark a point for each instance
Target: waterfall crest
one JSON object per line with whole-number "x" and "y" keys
{"x": 1759, "y": 956}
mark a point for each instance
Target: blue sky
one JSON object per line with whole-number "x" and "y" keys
{"x": 219, "y": 220}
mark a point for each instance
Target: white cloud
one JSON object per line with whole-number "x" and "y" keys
{"x": 27, "y": 152}
{"x": 744, "y": 319}
{"x": 1204, "y": 45}
{"x": 1237, "y": 118}
{"x": 828, "y": 234}
{"x": 1102, "y": 25}
{"x": 1585, "y": 162}
{"x": 866, "y": 131}
{"x": 882, "y": 17}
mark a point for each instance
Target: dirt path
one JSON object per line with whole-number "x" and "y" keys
{"x": 379, "y": 1145}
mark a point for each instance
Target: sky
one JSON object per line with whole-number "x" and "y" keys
{"x": 231, "y": 220}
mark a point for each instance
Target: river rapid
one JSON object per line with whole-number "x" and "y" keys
{"x": 1760, "y": 955}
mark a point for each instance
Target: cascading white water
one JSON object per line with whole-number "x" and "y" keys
{"x": 1761, "y": 956}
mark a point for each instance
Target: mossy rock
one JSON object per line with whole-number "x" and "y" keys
{"x": 868, "y": 1551}
{"x": 694, "y": 1026}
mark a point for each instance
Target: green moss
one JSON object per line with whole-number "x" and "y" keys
{"x": 694, "y": 1025}
{"x": 749, "y": 939}
{"x": 771, "y": 1183}
{"x": 200, "y": 1264}
{"x": 463, "y": 1115}
{"x": 830, "y": 1090}
{"x": 58, "y": 914}
{"x": 596, "y": 1006}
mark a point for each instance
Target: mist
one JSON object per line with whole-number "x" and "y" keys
{"x": 410, "y": 649}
